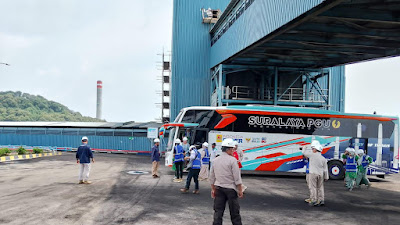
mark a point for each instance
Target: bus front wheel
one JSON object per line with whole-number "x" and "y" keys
{"x": 336, "y": 170}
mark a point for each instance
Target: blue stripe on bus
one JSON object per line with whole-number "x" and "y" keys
{"x": 307, "y": 139}
{"x": 253, "y": 164}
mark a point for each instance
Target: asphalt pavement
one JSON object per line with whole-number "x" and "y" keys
{"x": 45, "y": 191}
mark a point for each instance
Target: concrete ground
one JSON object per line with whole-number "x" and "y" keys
{"x": 45, "y": 191}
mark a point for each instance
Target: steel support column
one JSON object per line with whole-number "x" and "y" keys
{"x": 220, "y": 67}
{"x": 276, "y": 86}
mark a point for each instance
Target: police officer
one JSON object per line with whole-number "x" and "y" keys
{"x": 226, "y": 184}
{"x": 178, "y": 160}
{"x": 193, "y": 166}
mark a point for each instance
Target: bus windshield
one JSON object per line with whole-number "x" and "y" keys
{"x": 171, "y": 138}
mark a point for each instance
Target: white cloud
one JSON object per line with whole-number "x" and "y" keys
{"x": 12, "y": 41}
{"x": 373, "y": 86}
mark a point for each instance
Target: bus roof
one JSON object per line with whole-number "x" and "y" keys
{"x": 290, "y": 110}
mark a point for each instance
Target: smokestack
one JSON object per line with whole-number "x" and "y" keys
{"x": 99, "y": 98}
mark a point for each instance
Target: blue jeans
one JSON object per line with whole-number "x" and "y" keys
{"x": 195, "y": 174}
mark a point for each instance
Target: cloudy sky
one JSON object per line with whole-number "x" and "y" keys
{"x": 59, "y": 49}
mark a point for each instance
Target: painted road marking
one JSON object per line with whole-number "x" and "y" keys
{"x": 30, "y": 156}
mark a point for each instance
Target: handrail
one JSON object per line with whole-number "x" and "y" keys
{"x": 290, "y": 94}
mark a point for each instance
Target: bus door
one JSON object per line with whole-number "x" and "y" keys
{"x": 200, "y": 135}
{"x": 359, "y": 143}
{"x": 176, "y": 130}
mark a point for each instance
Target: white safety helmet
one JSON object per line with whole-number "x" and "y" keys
{"x": 205, "y": 144}
{"x": 229, "y": 143}
{"x": 185, "y": 138}
{"x": 84, "y": 138}
{"x": 156, "y": 140}
{"x": 192, "y": 147}
{"x": 315, "y": 144}
{"x": 351, "y": 151}
{"x": 360, "y": 152}
{"x": 177, "y": 141}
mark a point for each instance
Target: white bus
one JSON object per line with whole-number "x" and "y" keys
{"x": 271, "y": 137}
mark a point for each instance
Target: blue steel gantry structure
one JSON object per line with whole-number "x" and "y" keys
{"x": 276, "y": 52}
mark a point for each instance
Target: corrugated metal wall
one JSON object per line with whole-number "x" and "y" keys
{"x": 337, "y": 88}
{"x": 141, "y": 143}
{"x": 191, "y": 54}
{"x": 264, "y": 17}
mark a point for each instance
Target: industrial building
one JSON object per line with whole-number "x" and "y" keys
{"x": 237, "y": 52}
{"x": 127, "y": 137}
{"x": 275, "y": 52}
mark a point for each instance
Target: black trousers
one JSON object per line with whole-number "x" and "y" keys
{"x": 195, "y": 174}
{"x": 223, "y": 195}
{"x": 179, "y": 169}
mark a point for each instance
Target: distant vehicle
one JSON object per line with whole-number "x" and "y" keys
{"x": 271, "y": 137}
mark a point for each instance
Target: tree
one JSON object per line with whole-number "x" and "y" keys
{"x": 18, "y": 106}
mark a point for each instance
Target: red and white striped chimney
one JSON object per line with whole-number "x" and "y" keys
{"x": 99, "y": 99}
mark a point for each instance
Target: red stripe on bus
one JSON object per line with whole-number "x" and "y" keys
{"x": 272, "y": 166}
{"x": 173, "y": 125}
{"x": 230, "y": 111}
{"x": 225, "y": 121}
{"x": 273, "y": 155}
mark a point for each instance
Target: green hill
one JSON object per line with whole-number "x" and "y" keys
{"x": 18, "y": 106}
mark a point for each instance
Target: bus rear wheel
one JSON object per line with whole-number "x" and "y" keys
{"x": 336, "y": 170}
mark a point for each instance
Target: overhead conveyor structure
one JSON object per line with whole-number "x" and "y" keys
{"x": 270, "y": 52}
{"x": 334, "y": 32}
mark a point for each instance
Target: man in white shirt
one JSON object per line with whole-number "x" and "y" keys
{"x": 318, "y": 173}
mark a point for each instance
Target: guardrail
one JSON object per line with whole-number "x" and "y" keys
{"x": 284, "y": 94}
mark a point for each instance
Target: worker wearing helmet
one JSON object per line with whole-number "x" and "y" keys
{"x": 213, "y": 154}
{"x": 226, "y": 184}
{"x": 178, "y": 160}
{"x": 314, "y": 144}
{"x": 351, "y": 168}
{"x": 83, "y": 156}
{"x": 193, "y": 166}
{"x": 205, "y": 162}
{"x": 318, "y": 173}
{"x": 363, "y": 161}
{"x": 238, "y": 154}
{"x": 185, "y": 146}
{"x": 155, "y": 158}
